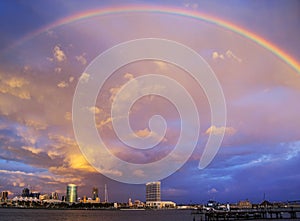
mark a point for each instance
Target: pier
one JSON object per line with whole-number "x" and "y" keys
{"x": 248, "y": 214}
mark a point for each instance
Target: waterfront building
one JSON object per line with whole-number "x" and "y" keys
{"x": 25, "y": 192}
{"x": 153, "y": 197}
{"x": 71, "y": 195}
{"x": 138, "y": 204}
{"x": 54, "y": 195}
{"x": 129, "y": 202}
{"x": 44, "y": 197}
{"x": 4, "y": 195}
{"x": 35, "y": 195}
{"x": 266, "y": 204}
{"x": 244, "y": 204}
{"x": 161, "y": 204}
{"x": 153, "y": 191}
{"x": 95, "y": 193}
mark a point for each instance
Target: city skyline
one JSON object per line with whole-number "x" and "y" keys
{"x": 152, "y": 196}
{"x": 252, "y": 47}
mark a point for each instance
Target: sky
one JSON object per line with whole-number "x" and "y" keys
{"x": 45, "y": 48}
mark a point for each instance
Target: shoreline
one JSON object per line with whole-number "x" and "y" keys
{"x": 85, "y": 208}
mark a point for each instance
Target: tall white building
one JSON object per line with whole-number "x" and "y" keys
{"x": 153, "y": 197}
{"x": 153, "y": 191}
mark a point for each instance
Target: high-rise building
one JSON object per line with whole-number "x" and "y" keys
{"x": 105, "y": 194}
{"x": 153, "y": 191}
{"x": 25, "y": 192}
{"x": 71, "y": 195}
{"x": 54, "y": 195}
{"x": 95, "y": 193}
{"x": 4, "y": 195}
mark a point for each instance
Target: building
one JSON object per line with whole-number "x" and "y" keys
{"x": 161, "y": 204}
{"x": 25, "y": 192}
{"x": 212, "y": 204}
{"x": 95, "y": 193}
{"x": 266, "y": 204}
{"x": 71, "y": 195}
{"x": 44, "y": 197}
{"x": 35, "y": 194}
{"x": 244, "y": 204}
{"x": 130, "y": 202}
{"x": 153, "y": 197}
{"x": 105, "y": 194}
{"x": 54, "y": 195}
{"x": 153, "y": 191}
{"x": 4, "y": 195}
{"x": 138, "y": 204}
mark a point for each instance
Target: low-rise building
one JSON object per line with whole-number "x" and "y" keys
{"x": 161, "y": 204}
{"x": 244, "y": 204}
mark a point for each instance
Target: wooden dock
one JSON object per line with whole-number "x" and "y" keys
{"x": 248, "y": 214}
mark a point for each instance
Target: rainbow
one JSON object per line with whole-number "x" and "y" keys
{"x": 174, "y": 11}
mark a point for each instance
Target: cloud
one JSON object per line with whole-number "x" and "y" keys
{"x": 71, "y": 79}
{"x": 28, "y": 155}
{"x": 35, "y": 124}
{"x": 22, "y": 94}
{"x": 219, "y": 130}
{"x": 15, "y": 86}
{"x": 143, "y": 133}
{"x": 113, "y": 172}
{"x": 18, "y": 184}
{"x": 32, "y": 149}
{"x": 27, "y": 68}
{"x": 128, "y": 76}
{"x": 216, "y": 55}
{"x": 104, "y": 122}
{"x": 139, "y": 173}
{"x": 293, "y": 150}
{"x": 174, "y": 192}
{"x": 146, "y": 132}
{"x": 212, "y": 190}
{"x": 73, "y": 158}
{"x": 62, "y": 84}
{"x": 114, "y": 91}
{"x": 191, "y": 5}
{"x": 61, "y": 157}
{"x": 50, "y": 59}
{"x": 57, "y": 70}
{"x": 161, "y": 65}
{"x": 84, "y": 77}
{"x": 58, "y": 54}
{"x": 20, "y": 178}
{"x": 81, "y": 59}
{"x": 68, "y": 116}
{"x": 94, "y": 110}
{"x": 228, "y": 54}
{"x": 16, "y": 172}
{"x": 15, "y": 82}
{"x": 231, "y": 55}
